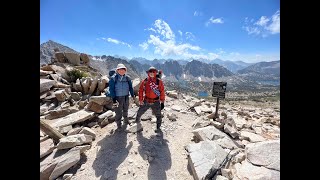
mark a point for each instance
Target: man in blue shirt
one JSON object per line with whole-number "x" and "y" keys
{"x": 119, "y": 86}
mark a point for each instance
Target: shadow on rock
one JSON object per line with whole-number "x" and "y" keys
{"x": 156, "y": 151}
{"x": 113, "y": 150}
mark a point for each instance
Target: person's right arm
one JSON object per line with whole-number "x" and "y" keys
{"x": 141, "y": 88}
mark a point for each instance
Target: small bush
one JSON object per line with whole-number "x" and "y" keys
{"x": 75, "y": 74}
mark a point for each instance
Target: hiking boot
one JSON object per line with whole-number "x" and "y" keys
{"x": 118, "y": 130}
{"x": 158, "y": 130}
{"x": 126, "y": 121}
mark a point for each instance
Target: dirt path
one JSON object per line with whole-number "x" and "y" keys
{"x": 121, "y": 155}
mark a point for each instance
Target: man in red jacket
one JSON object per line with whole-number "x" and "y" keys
{"x": 151, "y": 95}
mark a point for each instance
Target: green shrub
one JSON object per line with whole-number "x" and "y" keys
{"x": 75, "y": 74}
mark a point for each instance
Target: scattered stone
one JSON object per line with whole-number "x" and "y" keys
{"x": 107, "y": 114}
{"x": 231, "y": 131}
{"x": 76, "y": 95}
{"x": 172, "y": 116}
{"x": 135, "y": 128}
{"x": 198, "y": 110}
{"x": 91, "y": 124}
{"x": 217, "y": 124}
{"x": 172, "y": 94}
{"x": 65, "y": 129}
{"x": 54, "y": 114}
{"x": 251, "y": 136}
{"x": 176, "y": 107}
{"x": 226, "y": 173}
{"x": 74, "y": 131}
{"x": 46, "y": 147}
{"x": 73, "y": 118}
{"x": 67, "y": 176}
{"x": 82, "y": 104}
{"x": 88, "y": 131}
{"x": 46, "y": 84}
{"x": 74, "y": 140}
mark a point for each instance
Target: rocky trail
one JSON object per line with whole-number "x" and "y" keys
{"x": 191, "y": 142}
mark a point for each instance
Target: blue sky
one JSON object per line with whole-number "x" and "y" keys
{"x": 247, "y": 30}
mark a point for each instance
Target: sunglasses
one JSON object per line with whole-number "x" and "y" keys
{"x": 152, "y": 71}
{"x": 122, "y": 69}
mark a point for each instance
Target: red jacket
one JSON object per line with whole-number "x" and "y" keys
{"x": 149, "y": 92}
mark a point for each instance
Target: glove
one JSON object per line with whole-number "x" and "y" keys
{"x": 114, "y": 100}
{"x": 115, "y": 105}
{"x": 162, "y": 105}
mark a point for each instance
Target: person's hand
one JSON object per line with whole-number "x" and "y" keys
{"x": 162, "y": 105}
{"x": 141, "y": 103}
{"x": 115, "y": 105}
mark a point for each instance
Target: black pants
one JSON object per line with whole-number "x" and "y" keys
{"x": 122, "y": 109}
{"x": 156, "y": 108}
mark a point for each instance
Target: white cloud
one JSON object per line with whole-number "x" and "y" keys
{"x": 163, "y": 42}
{"x": 144, "y": 46}
{"x": 169, "y": 47}
{"x": 197, "y": 13}
{"x": 262, "y": 21}
{"x": 264, "y": 26}
{"x": 164, "y": 29}
{"x": 214, "y": 21}
{"x": 190, "y": 36}
{"x": 151, "y": 29}
{"x": 117, "y": 41}
{"x": 274, "y": 27}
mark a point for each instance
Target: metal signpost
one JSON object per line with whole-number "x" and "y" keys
{"x": 219, "y": 91}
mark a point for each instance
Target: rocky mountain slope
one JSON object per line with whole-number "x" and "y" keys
{"x": 78, "y": 138}
{"x": 268, "y": 72}
{"x": 47, "y": 51}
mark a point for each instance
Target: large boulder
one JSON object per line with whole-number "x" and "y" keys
{"x": 85, "y": 82}
{"x": 102, "y": 83}
{"x": 265, "y": 154}
{"x": 101, "y": 100}
{"x": 203, "y": 156}
{"x": 93, "y": 85}
{"x": 213, "y": 134}
{"x": 60, "y": 57}
{"x": 65, "y": 162}
{"x": 95, "y": 107}
{"x": 73, "y": 58}
{"x": 85, "y": 58}
{"x": 246, "y": 170}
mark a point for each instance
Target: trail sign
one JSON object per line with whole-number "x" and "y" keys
{"x": 219, "y": 89}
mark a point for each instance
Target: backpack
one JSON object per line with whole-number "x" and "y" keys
{"x": 112, "y": 72}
